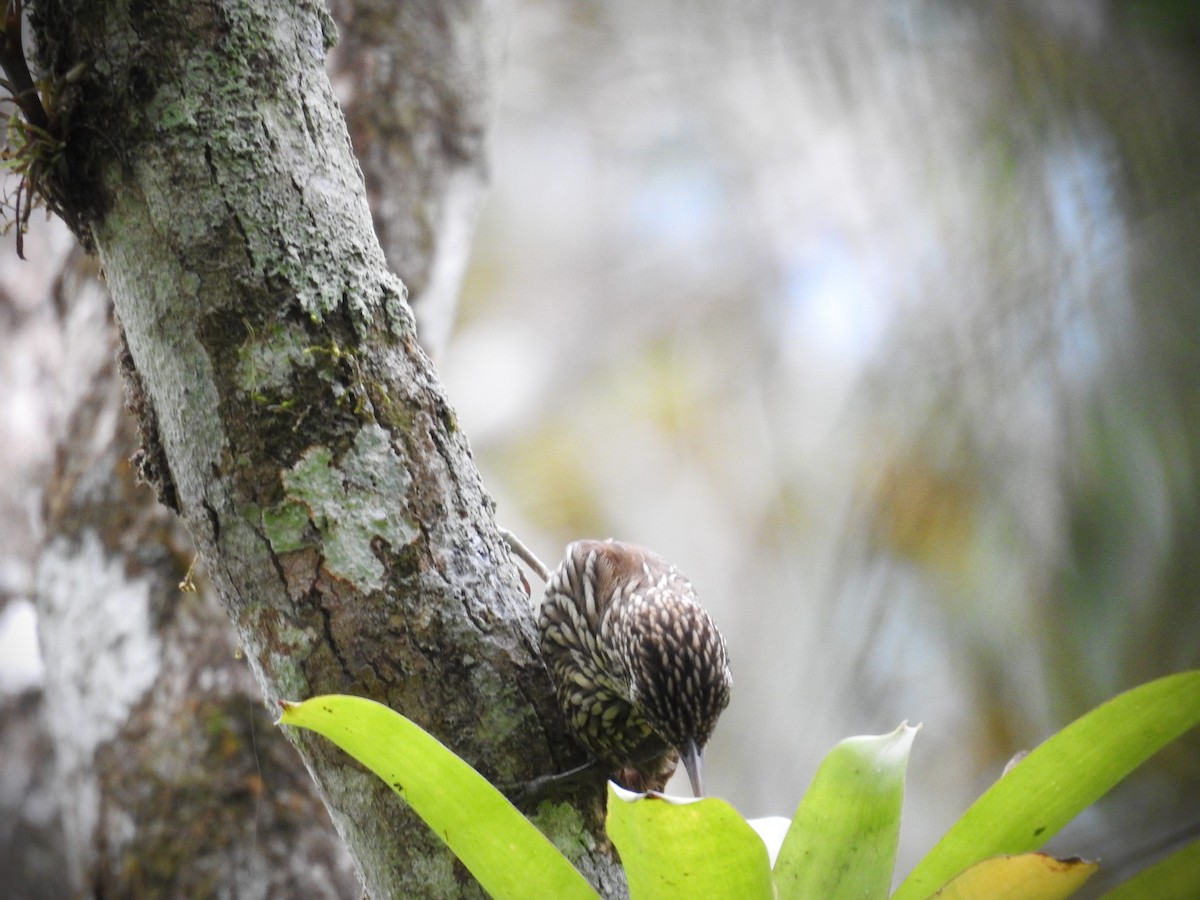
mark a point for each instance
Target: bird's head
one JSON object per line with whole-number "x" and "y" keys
{"x": 678, "y": 669}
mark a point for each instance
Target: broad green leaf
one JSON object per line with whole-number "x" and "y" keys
{"x": 1063, "y": 776}
{"x": 500, "y": 847}
{"x": 1029, "y": 876}
{"x": 842, "y": 842}
{"x": 1173, "y": 878}
{"x": 701, "y": 848}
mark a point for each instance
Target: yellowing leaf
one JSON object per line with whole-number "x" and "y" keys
{"x": 1030, "y": 876}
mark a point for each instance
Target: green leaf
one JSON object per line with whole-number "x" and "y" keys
{"x": 1028, "y": 876}
{"x": 499, "y": 846}
{"x": 1063, "y": 776}
{"x": 1173, "y": 878}
{"x": 701, "y": 848}
{"x": 843, "y": 840}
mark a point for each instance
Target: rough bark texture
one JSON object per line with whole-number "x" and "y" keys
{"x": 287, "y": 413}
{"x": 170, "y": 777}
{"x": 212, "y": 812}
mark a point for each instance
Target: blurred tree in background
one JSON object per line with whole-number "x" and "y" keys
{"x": 882, "y": 320}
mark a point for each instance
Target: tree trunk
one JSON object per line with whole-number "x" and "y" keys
{"x": 170, "y": 778}
{"x": 287, "y": 412}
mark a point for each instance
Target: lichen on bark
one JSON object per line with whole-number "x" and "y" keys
{"x": 311, "y": 449}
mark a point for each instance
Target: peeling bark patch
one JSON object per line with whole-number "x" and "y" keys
{"x": 348, "y": 505}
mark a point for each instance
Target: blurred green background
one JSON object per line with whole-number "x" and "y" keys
{"x": 880, "y": 319}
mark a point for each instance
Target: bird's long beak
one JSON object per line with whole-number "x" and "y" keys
{"x": 693, "y": 760}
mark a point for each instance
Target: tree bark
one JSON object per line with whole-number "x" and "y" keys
{"x": 287, "y": 412}
{"x": 170, "y": 778}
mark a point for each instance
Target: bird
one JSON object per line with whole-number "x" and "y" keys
{"x": 640, "y": 670}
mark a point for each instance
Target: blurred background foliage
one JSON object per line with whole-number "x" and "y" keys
{"x": 881, "y": 320}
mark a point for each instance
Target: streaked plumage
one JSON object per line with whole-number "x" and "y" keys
{"x": 640, "y": 670}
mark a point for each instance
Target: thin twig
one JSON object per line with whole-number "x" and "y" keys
{"x": 526, "y": 555}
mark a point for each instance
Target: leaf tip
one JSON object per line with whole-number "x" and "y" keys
{"x": 285, "y": 707}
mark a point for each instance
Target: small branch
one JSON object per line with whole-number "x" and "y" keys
{"x": 526, "y": 555}
{"x": 12, "y": 60}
